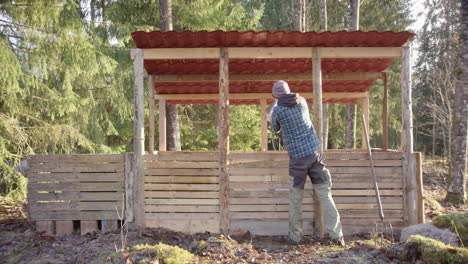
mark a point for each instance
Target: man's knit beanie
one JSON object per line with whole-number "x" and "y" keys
{"x": 280, "y": 88}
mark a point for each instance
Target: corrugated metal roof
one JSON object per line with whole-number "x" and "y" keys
{"x": 189, "y": 39}
{"x": 200, "y": 39}
{"x": 208, "y": 66}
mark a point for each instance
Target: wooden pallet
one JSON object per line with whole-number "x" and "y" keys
{"x": 67, "y": 193}
{"x": 182, "y": 191}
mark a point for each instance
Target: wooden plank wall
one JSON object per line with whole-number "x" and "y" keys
{"x": 259, "y": 191}
{"x": 182, "y": 191}
{"x": 64, "y": 188}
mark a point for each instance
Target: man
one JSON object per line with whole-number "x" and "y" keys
{"x": 290, "y": 115}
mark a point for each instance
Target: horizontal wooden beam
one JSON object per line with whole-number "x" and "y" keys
{"x": 268, "y": 77}
{"x": 247, "y": 96}
{"x": 272, "y": 52}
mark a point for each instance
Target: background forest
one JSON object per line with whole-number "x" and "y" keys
{"x": 66, "y": 80}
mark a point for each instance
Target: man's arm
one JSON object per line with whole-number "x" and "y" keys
{"x": 275, "y": 125}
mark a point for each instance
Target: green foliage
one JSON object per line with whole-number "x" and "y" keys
{"x": 456, "y": 221}
{"x": 436, "y": 252}
{"x": 165, "y": 253}
{"x": 244, "y": 133}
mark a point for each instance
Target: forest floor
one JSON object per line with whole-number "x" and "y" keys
{"x": 20, "y": 243}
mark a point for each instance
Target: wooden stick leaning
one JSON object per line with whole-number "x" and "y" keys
{"x": 371, "y": 162}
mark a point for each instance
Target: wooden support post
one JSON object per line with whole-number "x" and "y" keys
{"x": 264, "y": 132}
{"x": 318, "y": 121}
{"x": 223, "y": 139}
{"x": 139, "y": 138}
{"x": 419, "y": 185}
{"x": 129, "y": 187}
{"x": 365, "y": 112}
{"x": 88, "y": 226}
{"x": 407, "y": 136}
{"x": 151, "y": 116}
{"x": 47, "y": 226}
{"x": 63, "y": 227}
{"x": 385, "y": 113}
{"x": 108, "y": 225}
{"x": 162, "y": 125}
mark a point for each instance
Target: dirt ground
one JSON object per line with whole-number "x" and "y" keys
{"x": 20, "y": 243}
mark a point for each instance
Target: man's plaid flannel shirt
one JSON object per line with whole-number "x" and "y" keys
{"x": 298, "y": 133}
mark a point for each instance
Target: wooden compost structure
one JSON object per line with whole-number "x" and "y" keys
{"x": 224, "y": 191}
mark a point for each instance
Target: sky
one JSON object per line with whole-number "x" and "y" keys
{"x": 419, "y": 14}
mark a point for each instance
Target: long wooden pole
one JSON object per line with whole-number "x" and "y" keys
{"x": 151, "y": 116}
{"x": 139, "y": 136}
{"x": 407, "y": 136}
{"x": 162, "y": 125}
{"x": 365, "y": 113}
{"x": 318, "y": 121}
{"x": 264, "y": 132}
{"x": 223, "y": 139}
{"x": 385, "y": 113}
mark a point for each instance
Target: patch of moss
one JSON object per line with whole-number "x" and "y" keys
{"x": 202, "y": 245}
{"x": 459, "y": 220}
{"x": 167, "y": 254}
{"x": 433, "y": 251}
{"x": 433, "y": 203}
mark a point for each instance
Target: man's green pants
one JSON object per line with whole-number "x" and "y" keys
{"x": 313, "y": 167}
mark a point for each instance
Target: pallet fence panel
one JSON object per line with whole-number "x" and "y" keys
{"x": 75, "y": 187}
{"x": 259, "y": 191}
{"x": 182, "y": 191}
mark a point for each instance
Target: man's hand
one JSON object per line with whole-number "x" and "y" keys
{"x": 268, "y": 117}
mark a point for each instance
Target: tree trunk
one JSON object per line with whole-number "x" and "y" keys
{"x": 297, "y": 13}
{"x": 351, "y": 122}
{"x": 323, "y": 27}
{"x": 172, "y": 116}
{"x": 457, "y": 173}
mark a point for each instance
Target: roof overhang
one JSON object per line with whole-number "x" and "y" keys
{"x": 185, "y": 65}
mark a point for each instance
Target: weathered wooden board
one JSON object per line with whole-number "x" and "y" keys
{"x": 181, "y": 187}
{"x": 76, "y": 177}
{"x": 109, "y": 225}
{"x": 75, "y": 206}
{"x": 337, "y": 178}
{"x": 75, "y": 186}
{"x": 76, "y": 158}
{"x": 76, "y": 167}
{"x": 181, "y": 179}
{"x": 181, "y": 194}
{"x": 284, "y": 199}
{"x": 181, "y": 165}
{"x": 63, "y": 227}
{"x": 182, "y": 208}
{"x": 182, "y": 201}
{"x": 187, "y": 172}
{"x": 189, "y": 226}
{"x": 183, "y": 156}
{"x": 75, "y": 196}
{"x": 336, "y": 185}
{"x": 333, "y": 170}
{"x": 181, "y": 216}
{"x": 328, "y": 162}
{"x": 75, "y": 215}
{"x": 267, "y": 208}
{"x": 266, "y": 215}
{"x": 88, "y": 227}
